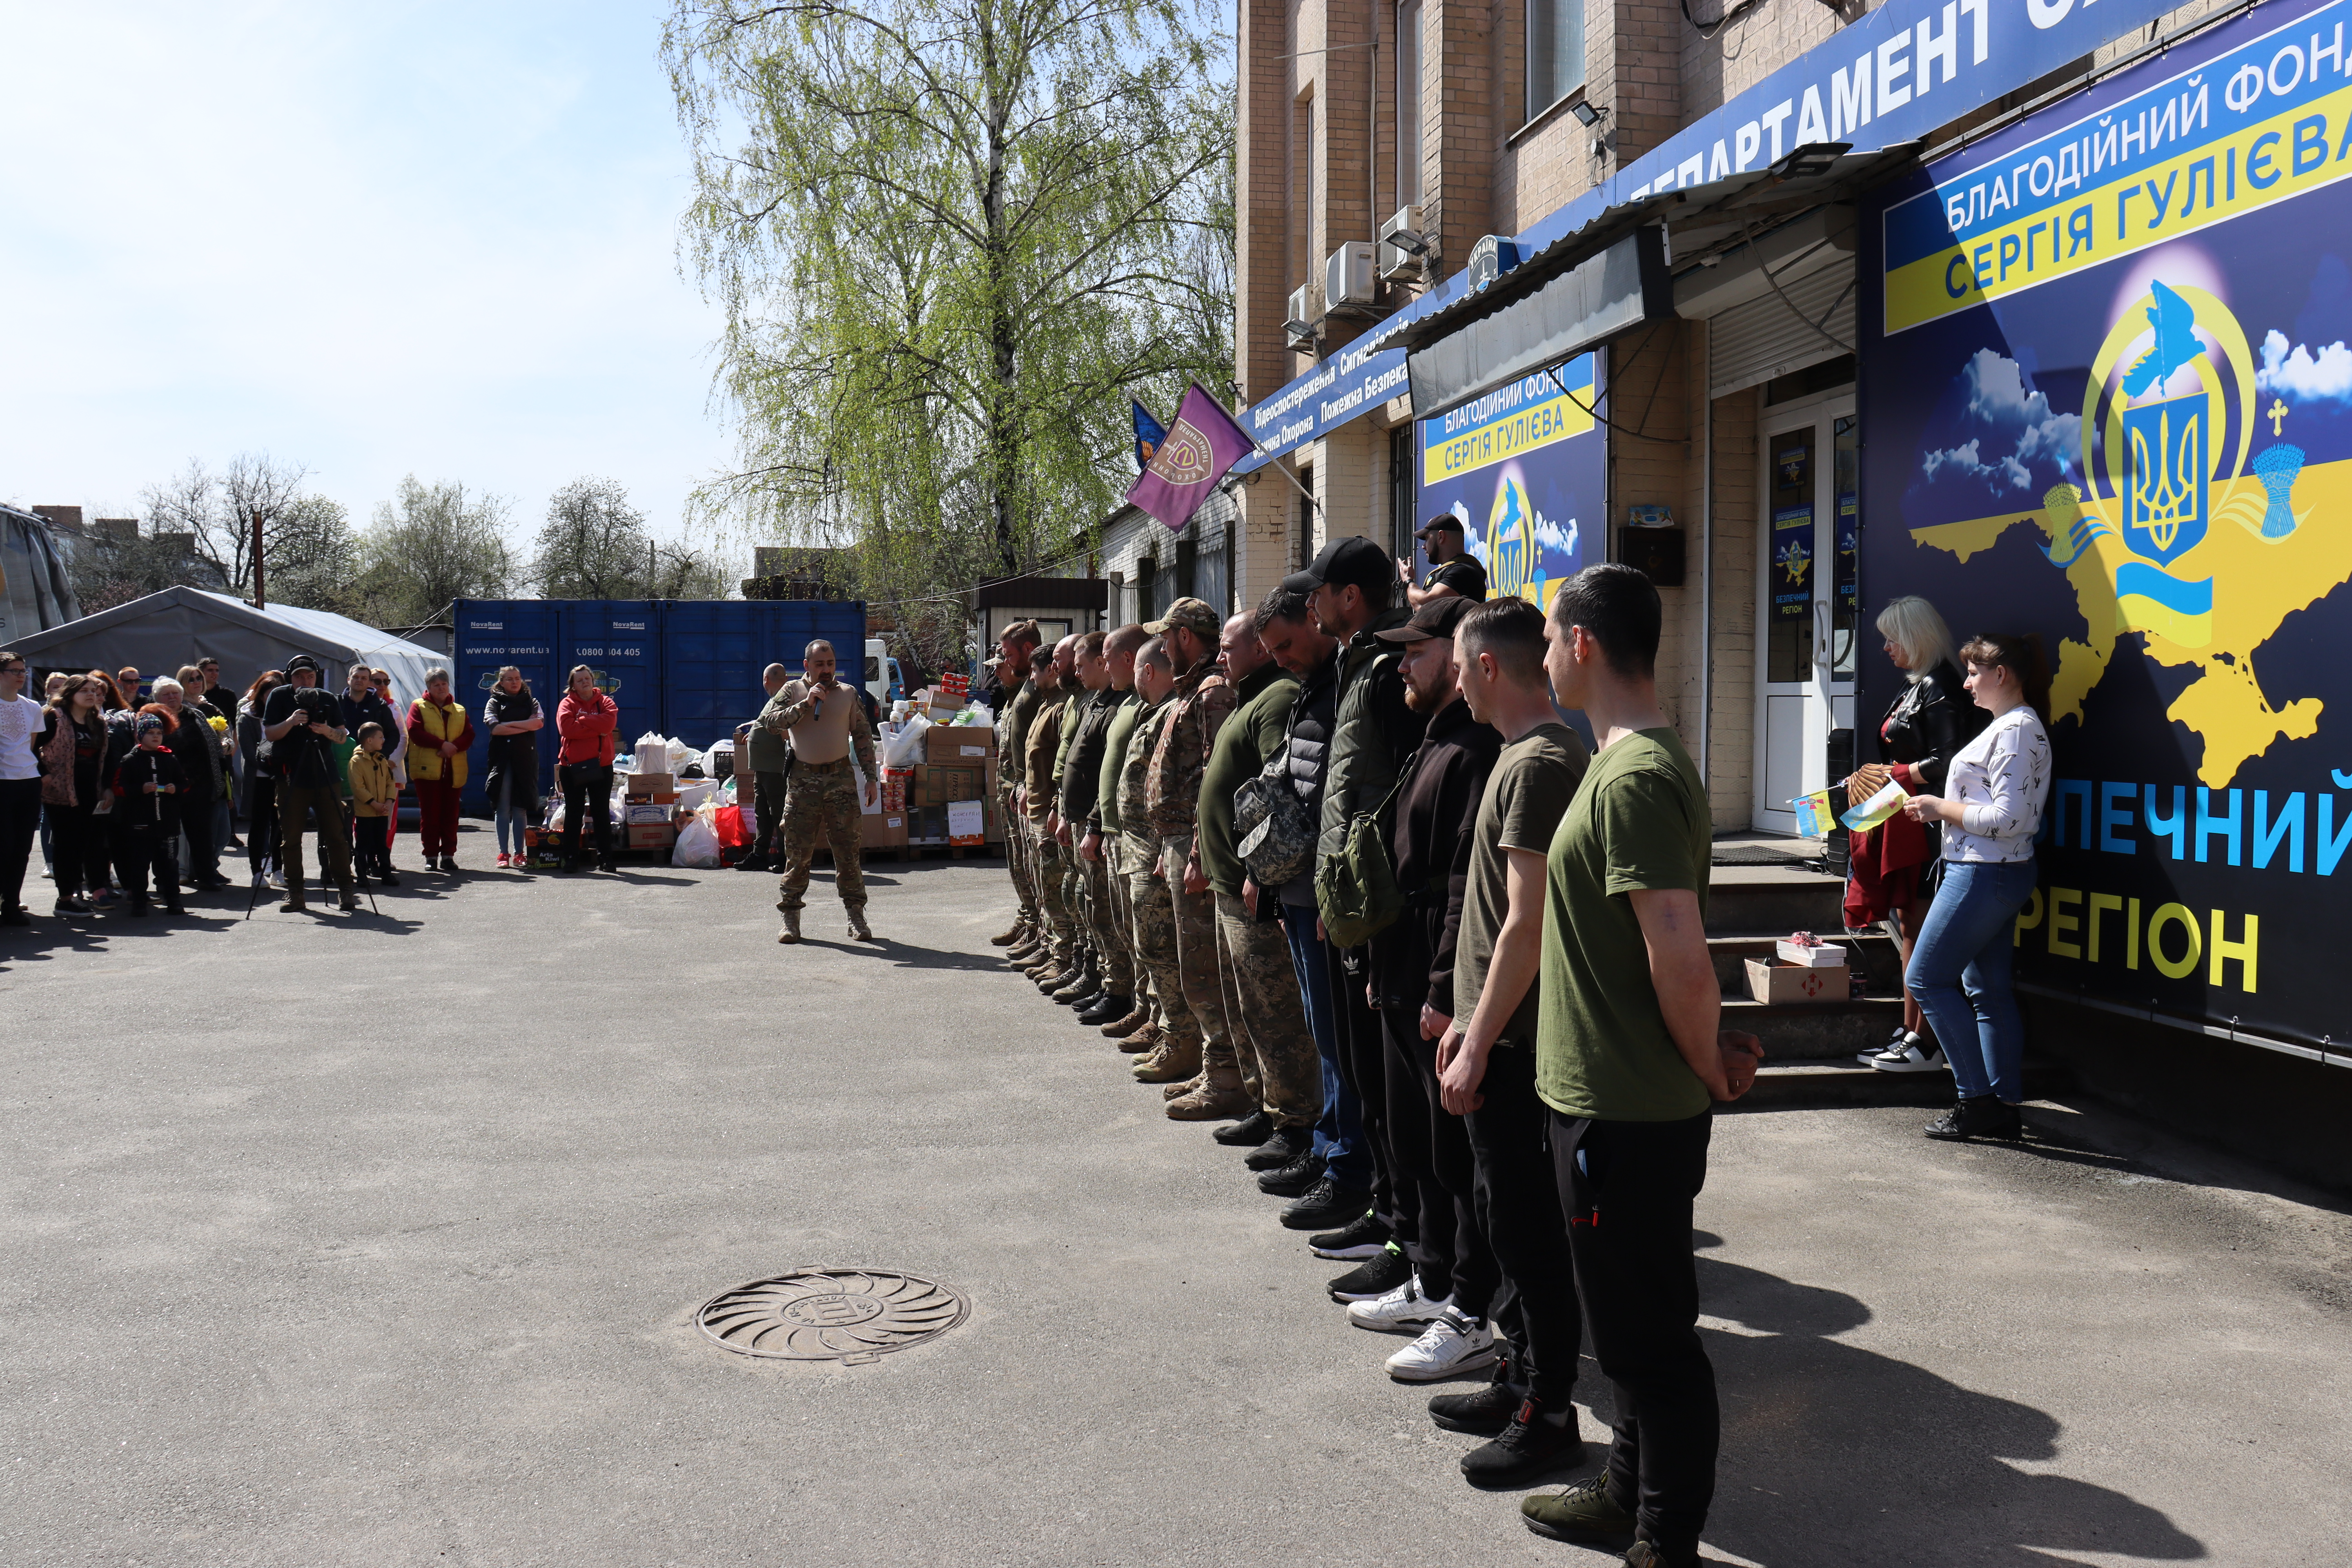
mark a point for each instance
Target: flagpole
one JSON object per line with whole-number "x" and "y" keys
{"x": 1277, "y": 464}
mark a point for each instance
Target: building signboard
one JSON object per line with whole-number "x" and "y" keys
{"x": 2117, "y": 412}
{"x": 1526, "y": 470}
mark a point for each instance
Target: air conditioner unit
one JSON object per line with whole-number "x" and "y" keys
{"x": 1347, "y": 275}
{"x": 1403, "y": 246}
{"x": 1306, "y": 315}
{"x": 1490, "y": 259}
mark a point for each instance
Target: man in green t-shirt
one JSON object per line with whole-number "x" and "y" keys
{"x": 1487, "y": 1060}
{"x": 1630, "y": 1058}
{"x": 1099, "y": 846}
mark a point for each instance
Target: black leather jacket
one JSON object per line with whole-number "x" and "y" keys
{"x": 1933, "y": 718}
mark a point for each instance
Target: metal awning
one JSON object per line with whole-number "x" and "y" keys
{"x": 1699, "y": 221}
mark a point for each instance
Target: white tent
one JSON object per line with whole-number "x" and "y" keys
{"x": 180, "y": 625}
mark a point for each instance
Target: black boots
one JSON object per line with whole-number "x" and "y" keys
{"x": 1984, "y": 1116}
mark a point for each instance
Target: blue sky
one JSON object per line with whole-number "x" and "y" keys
{"x": 403, "y": 237}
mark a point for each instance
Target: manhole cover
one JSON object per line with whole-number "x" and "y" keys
{"x": 848, "y": 1315}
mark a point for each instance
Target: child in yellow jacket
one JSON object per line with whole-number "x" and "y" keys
{"x": 373, "y": 788}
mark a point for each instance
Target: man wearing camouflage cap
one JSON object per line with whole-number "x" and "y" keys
{"x": 1201, "y": 701}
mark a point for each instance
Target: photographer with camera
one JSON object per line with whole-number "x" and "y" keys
{"x": 303, "y": 725}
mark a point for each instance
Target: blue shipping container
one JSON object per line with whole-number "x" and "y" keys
{"x": 620, "y": 639}
{"x": 688, "y": 668}
{"x": 490, "y": 634}
{"x": 713, "y": 651}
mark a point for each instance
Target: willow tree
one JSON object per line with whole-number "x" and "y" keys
{"x": 952, "y": 238}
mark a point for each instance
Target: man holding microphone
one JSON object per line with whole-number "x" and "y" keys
{"x": 825, "y": 721}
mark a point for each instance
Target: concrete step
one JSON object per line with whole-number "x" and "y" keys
{"x": 1743, "y": 899}
{"x": 1814, "y": 1031}
{"x": 1792, "y": 1085}
{"x": 1874, "y": 956}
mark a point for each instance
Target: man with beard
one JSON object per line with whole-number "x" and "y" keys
{"x": 827, "y": 723}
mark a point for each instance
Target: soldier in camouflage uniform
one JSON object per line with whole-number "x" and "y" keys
{"x": 1176, "y": 1057}
{"x": 825, "y": 721}
{"x": 1011, "y": 668}
{"x": 1012, "y": 770}
{"x": 1099, "y": 855}
{"x": 1108, "y": 990}
{"x": 1037, "y": 786}
{"x": 1198, "y": 709}
{"x": 1138, "y": 1030}
{"x": 1081, "y": 716}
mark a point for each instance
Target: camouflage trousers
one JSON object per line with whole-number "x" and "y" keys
{"x": 1156, "y": 952}
{"x": 823, "y": 805}
{"x": 1121, "y": 863}
{"x": 1061, "y": 922}
{"x": 1265, "y": 1016}
{"x": 1196, "y": 955}
{"x": 1018, "y": 857}
{"x": 1102, "y": 911}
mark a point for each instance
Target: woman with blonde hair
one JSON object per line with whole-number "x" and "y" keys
{"x": 1995, "y": 789}
{"x": 1892, "y": 874}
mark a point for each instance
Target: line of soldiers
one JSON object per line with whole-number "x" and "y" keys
{"x": 1444, "y": 1101}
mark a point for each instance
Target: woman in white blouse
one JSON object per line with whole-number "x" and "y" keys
{"x": 1990, "y": 810}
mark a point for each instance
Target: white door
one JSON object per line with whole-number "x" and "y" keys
{"x": 1807, "y": 600}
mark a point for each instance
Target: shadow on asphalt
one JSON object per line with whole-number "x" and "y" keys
{"x": 1816, "y": 1431}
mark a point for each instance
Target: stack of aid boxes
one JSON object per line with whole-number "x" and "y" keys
{"x": 1805, "y": 969}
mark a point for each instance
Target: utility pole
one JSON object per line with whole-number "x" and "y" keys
{"x": 260, "y": 598}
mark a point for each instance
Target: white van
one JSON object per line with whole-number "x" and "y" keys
{"x": 883, "y": 678}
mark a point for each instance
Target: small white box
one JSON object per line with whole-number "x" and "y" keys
{"x": 1827, "y": 955}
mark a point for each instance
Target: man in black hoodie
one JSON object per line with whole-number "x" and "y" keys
{"x": 1411, "y": 968}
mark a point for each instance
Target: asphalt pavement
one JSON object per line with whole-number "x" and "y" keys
{"x": 378, "y": 1239}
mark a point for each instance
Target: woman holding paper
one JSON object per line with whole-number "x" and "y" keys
{"x": 1892, "y": 865}
{"x": 1995, "y": 789}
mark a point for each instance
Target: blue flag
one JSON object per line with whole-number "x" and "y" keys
{"x": 1148, "y": 434}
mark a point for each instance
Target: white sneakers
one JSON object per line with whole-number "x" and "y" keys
{"x": 1402, "y": 1307}
{"x": 1450, "y": 1345}
{"x": 1905, "y": 1053}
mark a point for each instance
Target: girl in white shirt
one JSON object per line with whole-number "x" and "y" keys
{"x": 20, "y": 784}
{"x": 1991, "y": 808}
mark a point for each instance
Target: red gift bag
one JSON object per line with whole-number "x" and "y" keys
{"x": 728, "y": 820}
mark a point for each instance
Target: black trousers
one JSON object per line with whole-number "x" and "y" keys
{"x": 77, "y": 855}
{"x": 20, "y": 822}
{"x": 768, "y": 805}
{"x": 1363, "y": 1072}
{"x": 140, "y": 850}
{"x": 371, "y": 845}
{"x": 587, "y": 788}
{"x": 1627, "y": 1188}
{"x": 260, "y": 818}
{"x": 1436, "y": 1173}
{"x": 1518, "y": 1207}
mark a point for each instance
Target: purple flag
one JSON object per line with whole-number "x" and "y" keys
{"x": 1202, "y": 443}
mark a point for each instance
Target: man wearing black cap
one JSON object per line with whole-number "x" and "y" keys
{"x": 303, "y": 725}
{"x": 1373, "y": 730}
{"x": 1453, "y": 570}
{"x": 1447, "y": 1297}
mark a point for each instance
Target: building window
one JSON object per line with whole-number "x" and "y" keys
{"x": 1302, "y": 540}
{"x": 1408, "y": 97}
{"x": 1401, "y": 517}
{"x": 1303, "y": 182}
{"x": 1554, "y": 52}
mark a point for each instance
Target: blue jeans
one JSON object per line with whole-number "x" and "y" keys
{"x": 1959, "y": 973}
{"x": 1340, "y": 1131}
{"x": 511, "y": 817}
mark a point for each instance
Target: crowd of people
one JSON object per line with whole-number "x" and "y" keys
{"x": 1337, "y": 874}
{"x": 133, "y": 788}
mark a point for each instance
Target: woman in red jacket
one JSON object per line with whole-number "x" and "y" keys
{"x": 585, "y": 721}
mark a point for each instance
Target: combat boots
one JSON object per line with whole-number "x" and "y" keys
{"x": 791, "y": 931}
{"x": 1172, "y": 1061}
{"x": 858, "y": 930}
{"x": 1081, "y": 984}
{"x": 1178, "y": 1090}
{"x": 1013, "y": 933}
{"x": 1219, "y": 1095}
{"x": 1147, "y": 1038}
{"x": 1135, "y": 1019}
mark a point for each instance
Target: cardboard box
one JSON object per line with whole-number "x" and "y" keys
{"x": 967, "y": 822}
{"x": 882, "y": 829}
{"x": 1799, "y": 983}
{"x": 948, "y": 743}
{"x": 898, "y": 784}
{"x": 652, "y": 836}
{"x": 1822, "y": 956}
{"x": 937, "y": 784}
{"x": 927, "y": 825}
{"x": 650, "y": 784}
{"x": 644, "y": 813}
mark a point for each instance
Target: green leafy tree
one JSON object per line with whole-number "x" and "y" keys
{"x": 595, "y": 545}
{"x": 308, "y": 544}
{"x": 951, "y": 240}
{"x": 428, "y": 545}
